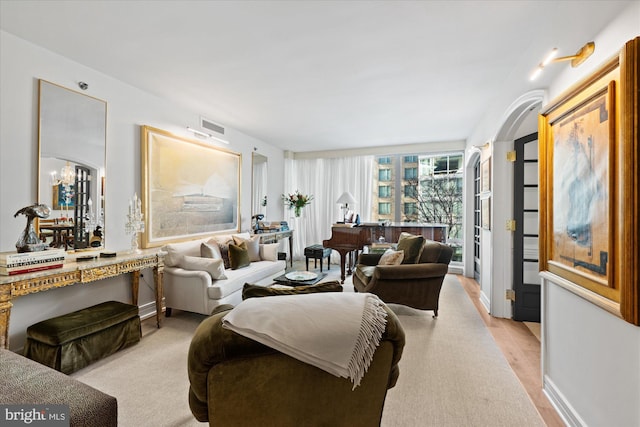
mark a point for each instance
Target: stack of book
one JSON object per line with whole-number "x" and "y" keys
{"x": 27, "y": 262}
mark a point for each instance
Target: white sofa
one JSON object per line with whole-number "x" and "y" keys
{"x": 196, "y": 291}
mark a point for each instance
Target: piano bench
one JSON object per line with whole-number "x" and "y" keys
{"x": 317, "y": 252}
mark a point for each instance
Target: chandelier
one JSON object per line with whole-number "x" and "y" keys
{"x": 67, "y": 176}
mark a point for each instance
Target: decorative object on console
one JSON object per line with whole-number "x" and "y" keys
{"x": 135, "y": 223}
{"x": 344, "y": 199}
{"x": 28, "y": 240}
{"x": 297, "y": 201}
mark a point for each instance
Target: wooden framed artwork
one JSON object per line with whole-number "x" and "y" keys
{"x": 589, "y": 187}
{"x": 190, "y": 189}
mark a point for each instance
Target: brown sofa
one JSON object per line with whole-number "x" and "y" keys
{"x": 415, "y": 285}
{"x": 236, "y": 381}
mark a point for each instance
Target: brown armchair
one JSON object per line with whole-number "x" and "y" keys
{"x": 236, "y": 381}
{"x": 415, "y": 285}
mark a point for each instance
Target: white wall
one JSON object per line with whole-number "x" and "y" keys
{"x": 590, "y": 358}
{"x": 21, "y": 65}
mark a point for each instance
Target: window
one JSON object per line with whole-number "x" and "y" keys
{"x": 384, "y": 208}
{"x": 410, "y": 191}
{"x": 384, "y": 191}
{"x": 429, "y": 190}
{"x": 410, "y": 209}
{"x": 384, "y": 175}
{"x": 410, "y": 173}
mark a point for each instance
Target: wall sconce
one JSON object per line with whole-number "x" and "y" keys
{"x": 201, "y": 134}
{"x": 581, "y": 55}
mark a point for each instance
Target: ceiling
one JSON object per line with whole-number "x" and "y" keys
{"x": 320, "y": 75}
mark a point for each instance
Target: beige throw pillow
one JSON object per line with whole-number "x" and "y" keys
{"x": 253, "y": 246}
{"x": 210, "y": 250}
{"x": 391, "y": 257}
{"x": 215, "y": 267}
{"x": 269, "y": 251}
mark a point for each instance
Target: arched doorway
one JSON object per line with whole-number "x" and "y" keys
{"x": 523, "y": 111}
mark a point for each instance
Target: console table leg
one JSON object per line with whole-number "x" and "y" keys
{"x": 135, "y": 286}
{"x": 5, "y": 314}
{"x": 157, "y": 281}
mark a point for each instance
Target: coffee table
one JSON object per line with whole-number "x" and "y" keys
{"x": 283, "y": 280}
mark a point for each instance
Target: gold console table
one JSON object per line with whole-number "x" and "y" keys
{"x": 78, "y": 273}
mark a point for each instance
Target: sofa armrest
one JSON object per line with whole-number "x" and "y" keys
{"x": 369, "y": 259}
{"x": 410, "y": 271}
{"x": 212, "y": 344}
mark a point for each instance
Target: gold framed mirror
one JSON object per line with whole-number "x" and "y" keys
{"x": 71, "y": 167}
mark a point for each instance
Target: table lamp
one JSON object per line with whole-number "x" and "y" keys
{"x": 345, "y": 199}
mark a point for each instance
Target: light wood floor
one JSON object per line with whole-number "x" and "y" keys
{"x": 521, "y": 349}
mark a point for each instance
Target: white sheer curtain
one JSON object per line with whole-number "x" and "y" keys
{"x": 326, "y": 180}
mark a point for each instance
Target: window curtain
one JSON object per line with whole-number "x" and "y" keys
{"x": 326, "y": 180}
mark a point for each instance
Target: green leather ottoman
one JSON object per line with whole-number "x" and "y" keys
{"x": 72, "y": 341}
{"x": 317, "y": 252}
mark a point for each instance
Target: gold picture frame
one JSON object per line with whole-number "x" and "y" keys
{"x": 190, "y": 189}
{"x": 589, "y": 186}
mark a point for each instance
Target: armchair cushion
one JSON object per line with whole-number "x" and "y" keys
{"x": 411, "y": 245}
{"x": 391, "y": 257}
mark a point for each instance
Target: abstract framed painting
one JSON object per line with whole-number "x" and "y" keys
{"x": 589, "y": 187}
{"x": 190, "y": 189}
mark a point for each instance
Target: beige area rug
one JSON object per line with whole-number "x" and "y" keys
{"x": 452, "y": 373}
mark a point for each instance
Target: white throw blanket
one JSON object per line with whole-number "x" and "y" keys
{"x": 334, "y": 331}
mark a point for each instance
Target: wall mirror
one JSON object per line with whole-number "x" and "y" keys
{"x": 71, "y": 165}
{"x": 258, "y": 184}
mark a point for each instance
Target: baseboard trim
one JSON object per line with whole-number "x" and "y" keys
{"x": 569, "y": 415}
{"x": 485, "y": 301}
{"x": 147, "y": 310}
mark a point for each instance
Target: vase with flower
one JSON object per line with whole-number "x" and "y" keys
{"x": 296, "y": 201}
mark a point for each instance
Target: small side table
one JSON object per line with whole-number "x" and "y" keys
{"x": 317, "y": 252}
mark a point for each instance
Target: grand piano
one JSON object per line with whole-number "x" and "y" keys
{"x": 346, "y": 240}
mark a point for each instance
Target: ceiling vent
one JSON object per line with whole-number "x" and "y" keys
{"x": 208, "y": 125}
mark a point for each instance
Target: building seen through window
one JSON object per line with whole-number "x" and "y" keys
{"x": 422, "y": 188}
